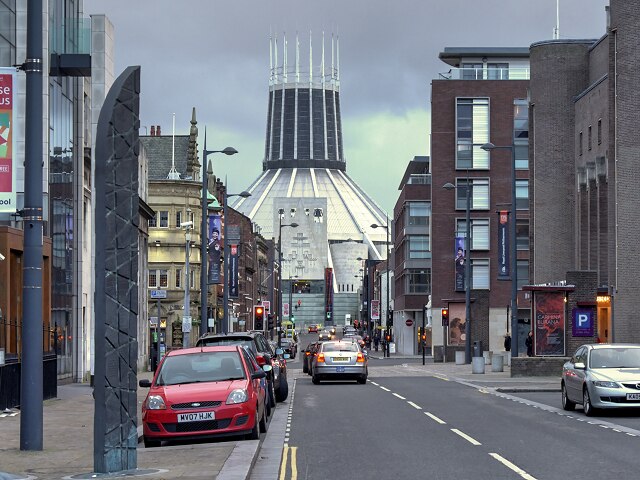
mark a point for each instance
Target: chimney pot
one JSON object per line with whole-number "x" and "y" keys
{"x": 158, "y": 130}
{"x": 153, "y": 130}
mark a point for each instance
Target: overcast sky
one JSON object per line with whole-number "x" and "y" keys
{"x": 214, "y": 55}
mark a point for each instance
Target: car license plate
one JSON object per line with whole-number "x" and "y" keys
{"x": 633, "y": 396}
{"x": 339, "y": 369}
{"x": 340, "y": 359}
{"x": 196, "y": 417}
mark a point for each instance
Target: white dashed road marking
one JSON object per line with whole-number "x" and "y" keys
{"x": 513, "y": 467}
{"x": 418, "y": 407}
{"x": 433, "y": 417}
{"x": 399, "y": 396}
{"x": 469, "y": 439}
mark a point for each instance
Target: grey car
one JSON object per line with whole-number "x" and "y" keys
{"x": 339, "y": 360}
{"x": 600, "y": 376}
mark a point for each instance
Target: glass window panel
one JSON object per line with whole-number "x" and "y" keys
{"x": 164, "y": 278}
{"x": 178, "y": 218}
{"x": 522, "y": 156}
{"x": 153, "y": 279}
{"x": 522, "y": 194}
{"x": 178, "y": 278}
{"x": 480, "y": 157}
{"x": 523, "y": 273}
{"x": 152, "y": 221}
{"x": 419, "y": 246}
{"x": 419, "y": 213}
{"x": 522, "y": 234}
{"x": 164, "y": 219}
{"x": 419, "y": 281}
{"x": 479, "y": 232}
{"x": 479, "y": 274}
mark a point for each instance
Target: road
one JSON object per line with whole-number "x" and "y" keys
{"x": 407, "y": 426}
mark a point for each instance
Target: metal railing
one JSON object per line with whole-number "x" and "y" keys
{"x": 512, "y": 73}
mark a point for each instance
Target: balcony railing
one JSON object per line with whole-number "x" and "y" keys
{"x": 73, "y": 37}
{"x": 486, "y": 73}
{"x": 420, "y": 179}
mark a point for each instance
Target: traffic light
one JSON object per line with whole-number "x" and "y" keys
{"x": 258, "y": 317}
{"x": 270, "y": 321}
{"x": 445, "y": 317}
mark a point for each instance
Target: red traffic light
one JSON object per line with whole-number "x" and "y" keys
{"x": 259, "y": 310}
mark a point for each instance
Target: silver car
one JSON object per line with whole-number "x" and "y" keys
{"x": 602, "y": 376}
{"x": 339, "y": 360}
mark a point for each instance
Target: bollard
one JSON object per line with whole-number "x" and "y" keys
{"x": 487, "y": 354}
{"x": 460, "y": 360}
{"x": 497, "y": 364}
{"x": 477, "y": 365}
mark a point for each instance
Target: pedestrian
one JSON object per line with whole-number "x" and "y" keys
{"x": 376, "y": 340}
{"x": 529, "y": 343}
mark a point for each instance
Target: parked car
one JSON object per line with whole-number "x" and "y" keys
{"x": 205, "y": 392}
{"x": 289, "y": 346}
{"x": 258, "y": 344}
{"x": 339, "y": 360}
{"x": 602, "y": 376}
{"x": 313, "y": 328}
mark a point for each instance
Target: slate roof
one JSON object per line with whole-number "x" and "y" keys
{"x": 158, "y": 151}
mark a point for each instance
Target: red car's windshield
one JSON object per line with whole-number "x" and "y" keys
{"x": 201, "y": 367}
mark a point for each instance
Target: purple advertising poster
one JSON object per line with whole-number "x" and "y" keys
{"x": 459, "y": 259}
{"x": 233, "y": 271}
{"x": 583, "y": 320}
{"x": 549, "y": 323}
{"x": 503, "y": 246}
{"x": 215, "y": 249}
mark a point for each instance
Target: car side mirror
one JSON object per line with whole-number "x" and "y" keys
{"x": 579, "y": 366}
{"x": 258, "y": 374}
{"x": 267, "y": 368}
{"x": 287, "y": 356}
{"x": 279, "y": 351}
{"x": 144, "y": 383}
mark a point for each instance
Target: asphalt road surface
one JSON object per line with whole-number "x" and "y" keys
{"x": 408, "y": 427}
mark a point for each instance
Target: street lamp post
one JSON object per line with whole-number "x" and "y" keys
{"x": 361, "y": 297}
{"x": 279, "y": 317}
{"x": 467, "y": 269}
{"x": 186, "y": 318}
{"x": 387, "y": 322}
{"x": 204, "y": 270}
{"x": 225, "y": 253}
{"x": 514, "y": 251}
{"x": 291, "y": 294}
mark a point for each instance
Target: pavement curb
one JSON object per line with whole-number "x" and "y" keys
{"x": 526, "y": 390}
{"x": 236, "y": 466}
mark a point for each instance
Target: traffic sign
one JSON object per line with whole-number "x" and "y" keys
{"x": 186, "y": 324}
{"x": 158, "y": 294}
{"x": 409, "y": 322}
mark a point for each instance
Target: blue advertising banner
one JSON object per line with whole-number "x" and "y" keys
{"x": 583, "y": 322}
{"x": 504, "y": 272}
{"x": 233, "y": 271}
{"x": 459, "y": 259}
{"x": 215, "y": 249}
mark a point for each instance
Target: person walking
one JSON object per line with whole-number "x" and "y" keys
{"x": 376, "y": 340}
{"x": 529, "y": 343}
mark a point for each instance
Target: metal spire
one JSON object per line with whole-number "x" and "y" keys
{"x": 297, "y": 59}
{"x": 310, "y": 57}
{"x": 556, "y": 30}
{"x": 270, "y": 59}
{"x": 275, "y": 71}
{"x": 332, "y": 62}
{"x": 338, "y": 58}
{"x": 322, "y": 66}
{"x": 173, "y": 173}
{"x": 285, "y": 57}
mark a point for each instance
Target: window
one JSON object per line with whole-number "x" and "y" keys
{"x": 419, "y": 246}
{"x": 522, "y": 194}
{"x": 178, "y": 218}
{"x": 419, "y": 213}
{"x": 164, "y": 219}
{"x": 178, "y": 278}
{"x": 153, "y": 220}
{"x": 158, "y": 278}
{"x": 479, "y": 193}
{"x": 599, "y": 131}
{"x": 192, "y": 279}
{"x": 419, "y": 281}
{"x": 479, "y": 274}
{"x": 521, "y": 133}
{"x": 580, "y": 144}
{"x": 589, "y": 138}
{"x": 523, "y": 273}
{"x": 497, "y": 71}
{"x": 472, "y": 71}
{"x": 479, "y": 232}
{"x": 521, "y": 151}
{"x": 472, "y": 131}
{"x": 522, "y": 234}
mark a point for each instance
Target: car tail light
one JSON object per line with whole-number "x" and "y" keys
{"x": 360, "y": 358}
{"x": 260, "y": 359}
{"x": 307, "y": 353}
{"x": 321, "y": 358}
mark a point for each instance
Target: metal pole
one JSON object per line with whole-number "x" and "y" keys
{"x": 31, "y": 389}
{"x": 514, "y": 260}
{"x": 204, "y": 270}
{"x": 290, "y": 296}
{"x": 389, "y": 323}
{"x": 158, "y": 342}
{"x": 424, "y": 330}
{"x": 279, "y": 317}
{"x": 187, "y": 288}
{"x": 225, "y": 254}
{"x": 467, "y": 275}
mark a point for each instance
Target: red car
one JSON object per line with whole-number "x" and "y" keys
{"x": 205, "y": 392}
{"x": 313, "y": 328}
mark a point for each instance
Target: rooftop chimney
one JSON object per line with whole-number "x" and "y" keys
{"x": 157, "y": 130}
{"x": 153, "y": 130}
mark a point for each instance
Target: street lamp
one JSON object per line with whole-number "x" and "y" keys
{"x": 467, "y": 270}
{"x": 386, "y": 227}
{"x": 291, "y": 294}
{"x": 186, "y": 318}
{"x": 361, "y": 296}
{"x": 488, "y": 147}
{"x": 225, "y": 253}
{"x": 279, "y": 317}
{"x": 204, "y": 270}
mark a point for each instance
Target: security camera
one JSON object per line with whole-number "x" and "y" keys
{"x": 1, "y": 256}
{"x": 186, "y": 224}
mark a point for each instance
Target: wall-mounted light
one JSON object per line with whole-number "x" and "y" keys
{"x": 157, "y": 243}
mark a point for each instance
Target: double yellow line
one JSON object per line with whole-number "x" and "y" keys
{"x": 294, "y": 466}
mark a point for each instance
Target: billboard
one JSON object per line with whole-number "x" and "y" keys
{"x": 7, "y": 166}
{"x": 457, "y": 324}
{"x": 549, "y": 323}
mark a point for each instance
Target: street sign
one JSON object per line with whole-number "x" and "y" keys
{"x": 153, "y": 321}
{"x": 408, "y": 322}
{"x": 186, "y": 324}
{"x": 158, "y": 294}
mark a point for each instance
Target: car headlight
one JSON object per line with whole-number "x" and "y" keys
{"x": 155, "y": 402}
{"x": 606, "y": 384}
{"x": 237, "y": 396}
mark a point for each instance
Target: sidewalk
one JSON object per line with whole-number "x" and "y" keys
{"x": 68, "y": 445}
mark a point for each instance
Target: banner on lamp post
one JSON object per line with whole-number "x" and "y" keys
{"x": 215, "y": 249}
{"x": 459, "y": 263}
{"x": 375, "y": 309}
{"x": 7, "y": 167}
{"x": 233, "y": 271}
{"x": 504, "y": 272}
